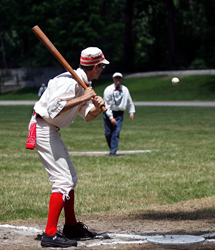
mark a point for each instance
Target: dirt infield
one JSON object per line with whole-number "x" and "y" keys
{"x": 125, "y": 230}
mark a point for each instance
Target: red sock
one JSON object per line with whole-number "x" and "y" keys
{"x": 69, "y": 210}
{"x": 55, "y": 207}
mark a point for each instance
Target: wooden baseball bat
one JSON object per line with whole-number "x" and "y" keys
{"x": 50, "y": 46}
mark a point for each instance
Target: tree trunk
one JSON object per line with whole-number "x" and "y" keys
{"x": 170, "y": 9}
{"x": 2, "y": 48}
{"x": 104, "y": 39}
{"x": 127, "y": 51}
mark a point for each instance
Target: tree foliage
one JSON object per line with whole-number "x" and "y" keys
{"x": 135, "y": 35}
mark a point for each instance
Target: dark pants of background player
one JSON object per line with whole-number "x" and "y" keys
{"x": 112, "y": 131}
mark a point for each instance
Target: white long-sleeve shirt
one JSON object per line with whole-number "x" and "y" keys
{"x": 60, "y": 89}
{"x": 117, "y": 100}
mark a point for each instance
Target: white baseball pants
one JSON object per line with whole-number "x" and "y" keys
{"x": 55, "y": 158}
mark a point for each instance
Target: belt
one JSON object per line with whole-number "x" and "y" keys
{"x": 119, "y": 111}
{"x": 38, "y": 116}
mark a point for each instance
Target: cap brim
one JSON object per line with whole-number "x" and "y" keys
{"x": 117, "y": 75}
{"x": 105, "y": 61}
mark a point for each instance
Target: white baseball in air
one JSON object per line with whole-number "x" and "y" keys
{"x": 175, "y": 81}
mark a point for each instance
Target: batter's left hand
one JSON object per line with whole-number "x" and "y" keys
{"x": 98, "y": 101}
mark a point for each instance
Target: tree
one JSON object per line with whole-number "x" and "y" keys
{"x": 135, "y": 35}
{"x": 127, "y": 41}
{"x": 170, "y": 9}
{"x": 2, "y": 46}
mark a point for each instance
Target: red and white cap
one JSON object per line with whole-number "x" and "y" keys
{"x": 91, "y": 56}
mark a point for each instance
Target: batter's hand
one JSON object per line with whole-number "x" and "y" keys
{"x": 89, "y": 93}
{"x": 98, "y": 101}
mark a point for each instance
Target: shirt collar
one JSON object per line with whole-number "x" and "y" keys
{"x": 115, "y": 87}
{"x": 81, "y": 73}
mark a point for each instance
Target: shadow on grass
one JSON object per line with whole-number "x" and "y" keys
{"x": 175, "y": 216}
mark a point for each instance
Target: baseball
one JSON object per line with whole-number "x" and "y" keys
{"x": 175, "y": 81}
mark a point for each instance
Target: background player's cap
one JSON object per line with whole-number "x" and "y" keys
{"x": 91, "y": 56}
{"x": 117, "y": 74}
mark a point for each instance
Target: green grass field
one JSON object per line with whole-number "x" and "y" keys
{"x": 180, "y": 167}
{"x": 158, "y": 88}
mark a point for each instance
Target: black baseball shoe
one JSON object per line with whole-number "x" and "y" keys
{"x": 57, "y": 240}
{"x": 78, "y": 231}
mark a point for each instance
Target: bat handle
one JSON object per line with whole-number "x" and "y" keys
{"x": 103, "y": 109}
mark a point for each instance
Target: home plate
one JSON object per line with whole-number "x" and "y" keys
{"x": 101, "y": 153}
{"x": 175, "y": 239}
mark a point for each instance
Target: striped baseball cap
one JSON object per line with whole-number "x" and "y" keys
{"x": 91, "y": 56}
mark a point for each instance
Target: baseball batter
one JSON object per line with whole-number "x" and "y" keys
{"x": 117, "y": 99}
{"x": 61, "y": 102}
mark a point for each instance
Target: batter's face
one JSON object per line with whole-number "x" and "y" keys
{"x": 98, "y": 70}
{"x": 117, "y": 80}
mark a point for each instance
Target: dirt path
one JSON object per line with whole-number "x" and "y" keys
{"x": 126, "y": 230}
{"x": 24, "y": 234}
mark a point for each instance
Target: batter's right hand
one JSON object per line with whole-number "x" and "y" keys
{"x": 89, "y": 93}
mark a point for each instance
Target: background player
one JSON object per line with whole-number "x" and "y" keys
{"x": 117, "y": 98}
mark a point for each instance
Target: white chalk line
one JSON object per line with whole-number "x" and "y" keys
{"x": 116, "y": 239}
{"x": 208, "y": 235}
{"x": 210, "y": 240}
{"x": 22, "y": 228}
{"x": 114, "y": 242}
{"x": 107, "y": 152}
{"x": 130, "y": 236}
